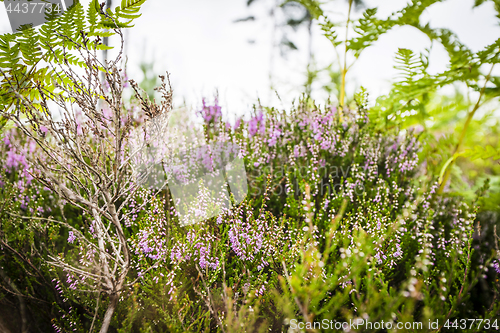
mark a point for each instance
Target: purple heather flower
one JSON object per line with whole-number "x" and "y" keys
{"x": 79, "y": 130}
{"x": 237, "y": 123}
{"x": 6, "y": 141}
{"x": 252, "y": 127}
{"x": 496, "y": 266}
{"x": 71, "y": 237}
{"x": 211, "y": 113}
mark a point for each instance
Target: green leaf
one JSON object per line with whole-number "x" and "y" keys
{"x": 129, "y": 10}
{"x": 477, "y": 153}
{"x": 314, "y": 8}
{"x": 368, "y": 29}
{"x": 480, "y": 152}
{"x": 491, "y": 53}
{"x": 22, "y": 53}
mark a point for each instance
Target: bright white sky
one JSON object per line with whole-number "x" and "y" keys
{"x": 205, "y": 52}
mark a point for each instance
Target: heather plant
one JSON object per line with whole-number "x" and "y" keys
{"x": 370, "y": 240}
{"x": 416, "y": 95}
{"x": 23, "y": 270}
{"x": 344, "y": 220}
{"x": 378, "y": 244}
{"x": 83, "y": 159}
{"x": 385, "y": 207}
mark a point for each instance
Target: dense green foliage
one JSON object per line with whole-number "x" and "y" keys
{"x": 388, "y": 213}
{"x": 27, "y": 58}
{"x": 338, "y": 225}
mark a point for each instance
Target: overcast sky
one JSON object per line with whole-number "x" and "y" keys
{"x": 198, "y": 42}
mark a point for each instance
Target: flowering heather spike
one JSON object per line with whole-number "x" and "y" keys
{"x": 71, "y": 237}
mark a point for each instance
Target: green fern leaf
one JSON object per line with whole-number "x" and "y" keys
{"x": 52, "y": 43}
{"x": 491, "y": 53}
{"x": 368, "y": 29}
{"x": 313, "y": 7}
{"x": 9, "y": 51}
{"x": 29, "y": 47}
{"x": 481, "y": 153}
{"x": 93, "y": 15}
{"x": 125, "y": 14}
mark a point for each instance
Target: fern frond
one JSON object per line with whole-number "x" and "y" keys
{"x": 22, "y": 53}
{"x": 410, "y": 65}
{"x": 328, "y": 28}
{"x": 480, "y": 152}
{"x": 313, "y": 7}
{"x": 124, "y": 14}
{"x": 129, "y": 9}
{"x": 93, "y": 16}
{"x": 79, "y": 18}
{"x": 411, "y": 92}
{"x": 9, "y": 51}
{"x": 368, "y": 29}
{"x": 477, "y": 153}
{"x": 410, "y": 15}
{"x": 29, "y": 46}
{"x": 490, "y": 54}
{"x": 67, "y": 27}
